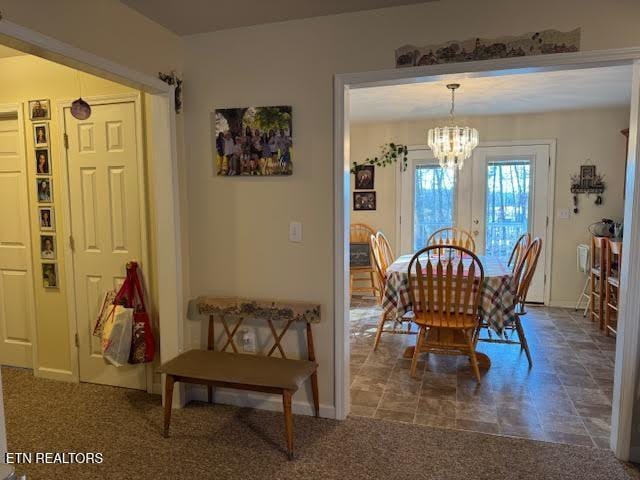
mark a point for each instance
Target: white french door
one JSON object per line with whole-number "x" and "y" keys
{"x": 17, "y": 304}
{"x": 106, "y": 224}
{"x": 510, "y": 198}
{"x": 501, "y": 193}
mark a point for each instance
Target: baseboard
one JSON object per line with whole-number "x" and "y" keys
{"x": 565, "y": 304}
{"x": 55, "y": 374}
{"x": 254, "y": 400}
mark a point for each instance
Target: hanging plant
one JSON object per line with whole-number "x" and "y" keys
{"x": 390, "y": 153}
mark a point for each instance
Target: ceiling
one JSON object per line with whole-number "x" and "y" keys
{"x": 497, "y": 95}
{"x": 9, "y": 52}
{"x": 187, "y": 17}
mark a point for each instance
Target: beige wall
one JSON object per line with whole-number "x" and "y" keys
{"x": 585, "y": 136}
{"x": 22, "y": 79}
{"x": 238, "y": 227}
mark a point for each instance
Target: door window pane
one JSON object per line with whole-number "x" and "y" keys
{"x": 433, "y": 202}
{"x": 507, "y": 215}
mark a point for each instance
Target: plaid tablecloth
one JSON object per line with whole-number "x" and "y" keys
{"x": 497, "y": 304}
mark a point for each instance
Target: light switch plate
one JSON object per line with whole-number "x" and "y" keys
{"x": 295, "y": 232}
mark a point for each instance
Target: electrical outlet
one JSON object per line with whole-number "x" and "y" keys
{"x": 248, "y": 341}
{"x": 564, "y": 213}
{"x": 295, "y": 232}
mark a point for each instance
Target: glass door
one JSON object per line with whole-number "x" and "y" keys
{"x": 510, "y": 185}
{"x": 429, "y": 199}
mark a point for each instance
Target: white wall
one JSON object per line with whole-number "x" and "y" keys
{"x": 584, "y": 136}
{"x": 238, "y": 227}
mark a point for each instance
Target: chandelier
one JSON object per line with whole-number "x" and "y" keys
{"x": 452, "y": 144}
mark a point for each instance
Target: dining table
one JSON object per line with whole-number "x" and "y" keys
{"x": 497, "y": 295}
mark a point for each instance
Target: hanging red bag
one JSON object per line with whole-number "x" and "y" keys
{"x": 143, "y": 345}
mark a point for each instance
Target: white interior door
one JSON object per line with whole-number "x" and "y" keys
{"x": 106, "y": 224}
{"x": 17, "y": 305}
{"x": 510, "y": 198}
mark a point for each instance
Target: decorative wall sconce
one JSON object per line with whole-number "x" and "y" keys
{"x": 588, "y": 181}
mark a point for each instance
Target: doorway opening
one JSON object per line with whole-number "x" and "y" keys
{"x": 83, "y": 198}
{"x": 517, "y": 181}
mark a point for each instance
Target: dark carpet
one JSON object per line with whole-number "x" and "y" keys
{"x": 221, "y": 442}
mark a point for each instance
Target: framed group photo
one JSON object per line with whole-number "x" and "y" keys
{"x": 364, "y": 201}
{"x": 365, "y": 177}
{"x": 39, "y": 109}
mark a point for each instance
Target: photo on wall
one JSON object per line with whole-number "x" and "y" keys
{"x": 44, "y": 189}
{"x": 364, "y": 200}
{"x": 364, "y": 177}
{"x": 43, "y": 165}
{"x": 49, "y": 275}
{"x": 253, "y": 141}
{"x": 41, "y": 134}
{"x": 45, "y": 217}
{"x": 47, "y": 247}
{"x": 39, "y": 109}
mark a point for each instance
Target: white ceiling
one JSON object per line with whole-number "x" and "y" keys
{"x": 9, "y": 52}
{"x": 187, "y": 17}
{"x": 499, "y": 95}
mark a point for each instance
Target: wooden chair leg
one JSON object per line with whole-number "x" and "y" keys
{"x": 210, "y": 393}
{"x": 288, "y": 422}
{"x": 379, "y": 332}
{"x": 523, "y": 341}
{"x": 316, "y": 394}
{"x": 472, "y": 357}
{"x": 374, "y": 288}
{"x": 168, "y": 400}
{"x": 417, "y": 351}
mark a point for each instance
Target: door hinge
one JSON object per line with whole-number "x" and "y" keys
{"x": 547, "y": 221}
{"x": 66, "y": 141}
{"x": 72, "y": 243}
{"x": 77, "y": 339}
{"x": 549, "y": 160}
{"x": 545, "y": 278}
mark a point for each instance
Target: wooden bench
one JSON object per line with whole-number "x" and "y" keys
{"x": 260, "y": 373}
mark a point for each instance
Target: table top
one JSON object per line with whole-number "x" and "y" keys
{"x": 493, "y": 266}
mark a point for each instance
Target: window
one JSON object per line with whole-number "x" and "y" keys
{"x": 434, "y": 202}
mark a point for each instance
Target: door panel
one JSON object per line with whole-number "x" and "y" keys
{"x": 17, "y": 310}
{"x": 509, "y": 199}
{"x": 106, "y": 224}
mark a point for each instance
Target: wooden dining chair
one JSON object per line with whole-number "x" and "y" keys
{"x": 612, "y": 286}
{"x": 381, "y": 263}
{"x": 599, "y": 247}
{"x": 518, "y": 251}
{"x": 445, "y": 284}
{"x": 385, "y": 248}
{"x": 522, "y": 281}
{"x": 362, "y": 278}
{"x": 453, "y": 236}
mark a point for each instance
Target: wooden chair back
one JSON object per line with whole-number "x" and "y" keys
{"x": 445, "y": 279}
{"x": 525, "y": 272}
{"x": 385, "y": 248}
{"x": 599, "y": 254}
{"x": 453, "y": 236}
{"x": 519, "y": 249}
{"x": 614, "y": 260}
{"x": 378, "y": 259}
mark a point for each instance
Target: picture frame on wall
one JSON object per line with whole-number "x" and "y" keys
{"x": 587, "y": 175}
{"x": 44, "y": 189}
{"x": 48, "y": 247}
{"x": 49, "y": 275}
{"x": 40, "y": 109}
{"x": 253, "y": 141}
{"x": 41, "y": 134}
{"x": 43, "y": 162}
{"x": 46, "y": 219}
{"x": 364, "y": 177}
{"x": 364, "y": 201}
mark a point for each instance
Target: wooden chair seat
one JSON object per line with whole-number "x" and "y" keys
{"x": 439, "y": 320}
{"x": 232, "y": 368}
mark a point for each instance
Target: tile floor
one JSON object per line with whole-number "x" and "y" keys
{"x": 565, "y": 397}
